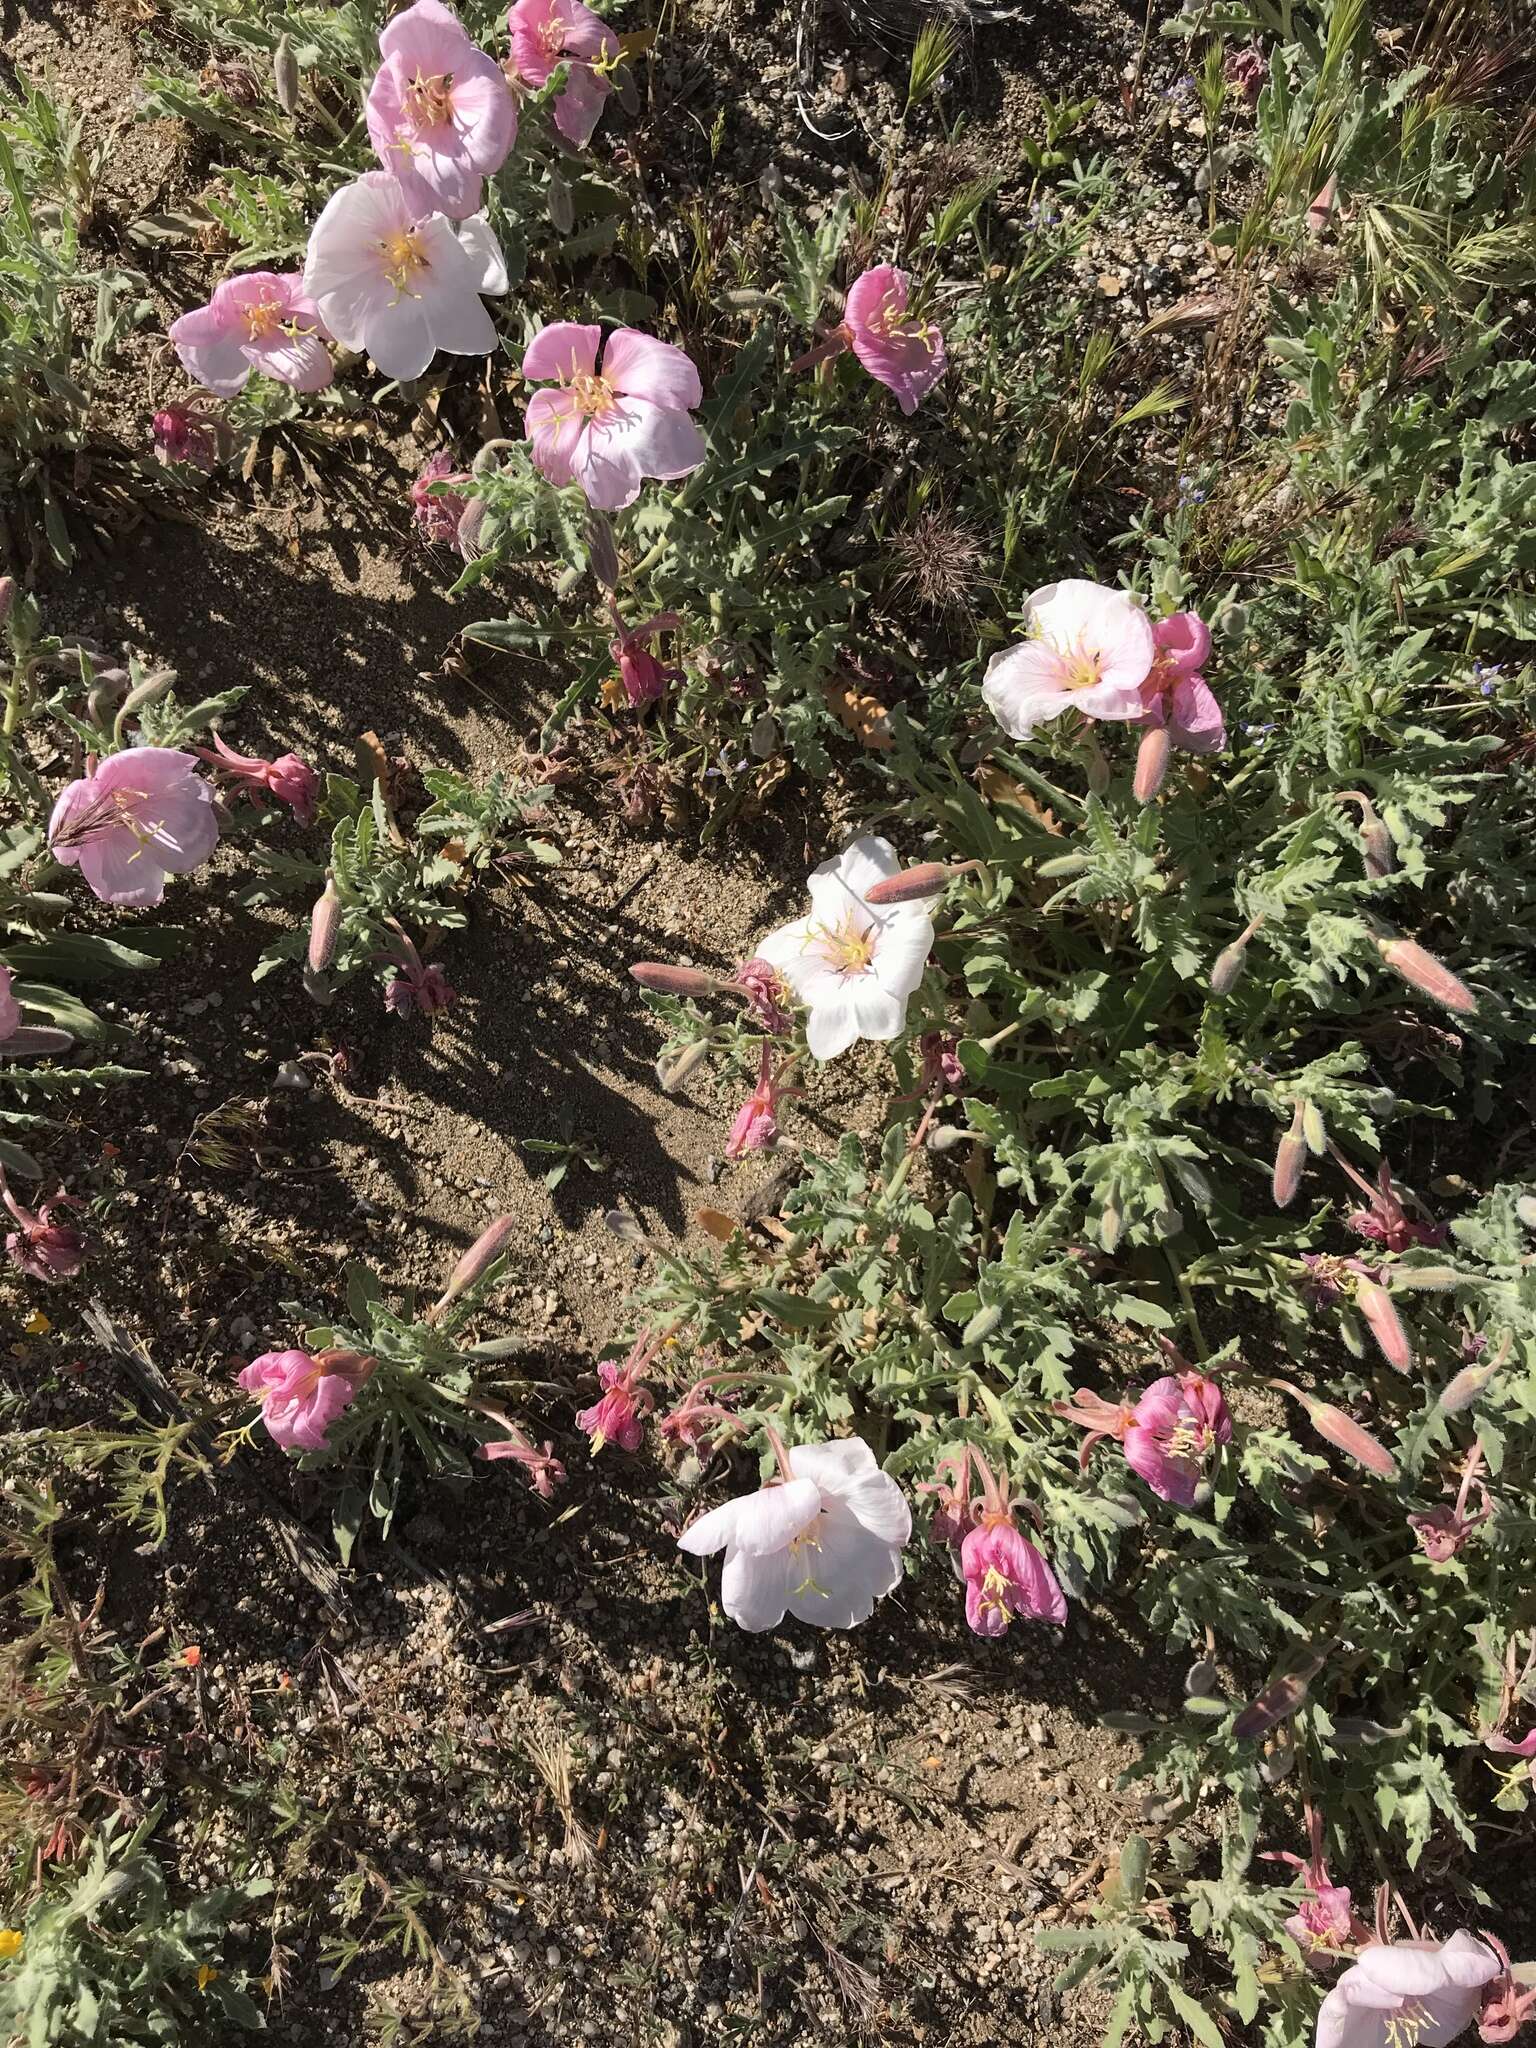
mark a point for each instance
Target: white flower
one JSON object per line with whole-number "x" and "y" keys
{"x": 1090, "y": 649}
{"x": 399, "y": 286}
{"x": 853, "y": 966}
{"x": 825, "y": 1544}
{"x": 1400, "y": 1992}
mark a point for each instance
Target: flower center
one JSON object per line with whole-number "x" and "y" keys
{"x": 849, "y": 947}
{"x": 428, "y": 102}
{"x": 262, "y": 320}
{"x": 552, "y": 36}
{"x": 593, "y": 395}
{"x": 1082, "y": 669}
{"x": 404, "y": 255}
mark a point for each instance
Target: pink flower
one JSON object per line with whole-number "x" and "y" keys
{"x": 822, "y": 1542}
{"x": 1501, "y": 1745}
{"x": 756, "y": 1126}
{"x": 1246, "y": 70}
{"x": 1090, "y": 649}
{"x": 903, "y": 353}
{"x": 951, "y": 1488}
{"x": 184, "y": 433}
{"x": 695, "y": 1419}
{"x": 437, "y": 513}
{"x": 418, "y": 986}
{"x": 1385, "y": 1221}
{"x": 1325, "y": 1923}
{"x": 1006, "y": 1579}
{"x": 1173, "y": 1433}
{"x": 604, "y": 432}
{"x": 440, "y": 115}
{"x": 641, "y": 675}
{"x": 767, "y": 997}
{"x": 1421, "y": 1991}
{"x": 264, "y": 320}
{"x": 619, "y": 1416}
{"x": 399, "y": 285}
{"x": 40, "y": 1247}
{"x": 137, "y": 817}
{"x": 292, "y": 781}
{"x": 1175, "y": 696}
{"x": 302, "y": 1396}
{"x": 541, "y": 1468}
{"x": 10, "y": 1009}
{"x": 942, "y": 1068}
{"x": 550, "y": 32}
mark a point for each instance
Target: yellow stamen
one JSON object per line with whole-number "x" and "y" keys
{"x": 404, "y": 256}
{"x": 262, "y": 320}
{"x": 428, "y": 102}
{"x": 849, "y": 947}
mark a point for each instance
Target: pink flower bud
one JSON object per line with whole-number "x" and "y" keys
{"x": 1464, "y": 1389}
{"x": 1151, "y": 763}
{"x": 911, "y": 885}
{"x": 478, "y": 1260}
{"x": 1344, "y": 1432}
{"x": 324, "y": 927}
{"x": 1379, "y": 1310}
{"x": 1376, "y": 847}
{"x": 1430, "y": 976}
{"x": 666, "y": 980}
{"x": 7, "y": 597}
{"x": 1290, "y": 1159}
{"x": 1228, "y": 966}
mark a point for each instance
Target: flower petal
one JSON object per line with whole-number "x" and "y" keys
{"x": 831, "y": 1028}
{"x": 663, "y": 444}
{"x": 754, "y": 1591}
{"x": 847, "y": 1470}
{"x": 640, "y": 366}
{"x": 755, "y": 1523}
{"x": 564, "y": 349}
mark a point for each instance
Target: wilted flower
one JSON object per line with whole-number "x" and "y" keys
{"x": 852, "y": 966}
{"x": 1177, "y": 701}
{"x": 605, "y": 431}
{"x": 137, "y": 817}
{"x": 1245, "y": 71}
{"x": 942, "y": 1066}
{"x": 39, "y": 1246}
{"x": 1090, "y": 650}
{"x": 642, "y": 679}
{"x": 756, "y": 1123}
{"x": 437, "y": 513}
{"x": 898, "y": 350}
{"x": 440, "y": 115}
{"x": 1426, "y": 1992}
{"x": 401, "y": 286}
{"x": 550, "y": 32}
{"x": 419, "y": 986}
{"x": 695, "y": 1419}
{"x": 1386, "y": 1221}
{"x": 541, "y": 1468}
{"x": 184, "y": 433}
{"x": 1443, "y": 1531}
{"x": 262, "y": 320}
{"x": 823, "y": 1541}
{"x": 767, "y": 997}
{"x": 618, "y": 1416}
{"x": 302, "y": 1396}
{"x": 1324, "y": 1924}
{"x": 292, "y": 781}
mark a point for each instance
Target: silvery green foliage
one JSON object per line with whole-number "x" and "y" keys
{"x": 108, "y": 1957}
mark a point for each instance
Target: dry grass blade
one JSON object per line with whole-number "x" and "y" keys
{"x": 553, "y": 1762}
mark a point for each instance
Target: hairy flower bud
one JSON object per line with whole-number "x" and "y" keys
{"x": 1230, "y": 962}
{"x": 911, "y": 885}
{"x": 666, "y": 980}
{"x": 145, "y": 693}
{"x": 478, "y": 1260}
{"x": 1386, "y": 1325}
{"x": 1346, "y": 1434}
{"x": 285, "y": 76}
{"x": 1314, "y": 1129}
{"x": 1377, "y": 849}
{"x": 1111, "y": 1222}
{"x": 601, "y": 551}
{"x": 1290, "y": 1159}
{"x": 1464, "y": 1389}
{"x": 1420, "y": 968}
{"x": 1438, "y": 1279}
{"x": 1151, "y": 763}
{"x": 7, "y": 597}
{"x": 324, "y": 927}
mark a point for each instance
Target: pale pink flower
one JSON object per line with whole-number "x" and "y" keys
{"x": 265, "y": 320}
{"x": 618, "y": 1416}
{"x": 1175, "y": 696}
{"x": 1090, "y": 650}
{"x": 10, "y": 1009}
{"x": 541, "y": 1468}
{"x": 1006, "y": 1579}
{"x": 40, "y": 1247}
{"x": 1325, "y": 1923}
{"x": 823, "y": 1542}
{"x": 441, "y": 117}
{"x": 1174, "y": 1432}
{"x": 437, "y": 513}
{"x": 1425, "y": 1992}
{"x": 399, "y": 285}
{"x": 641, "y": 676}
{"x": 605, "y": 431}
{"x": 302, "y": 1396}
{"x": 137, "y": 817}
{"x": 898, "y": 350}
{"x": 854, "y": 967}
{"x": 550, "y": 32}
{"x": 292, "y": 781}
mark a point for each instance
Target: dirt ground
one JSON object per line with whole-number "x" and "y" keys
{"x": 618, "y": 1819}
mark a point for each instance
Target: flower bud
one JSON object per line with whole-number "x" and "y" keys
{"x": 1094, "y": 763}
{"x": 324, "y": 927}
{"x": 149, "y": 691}
{"x": 1380, "y": 1312}
{"x": 945, "y": 1137}
{"x": 1290, "y": 1159}
{"x": 7, "y": 597}
{"x": 601, "y": 551}
{"x": 984, "y": 1324}
{"x": 478, "y": 1260}
{"x": 1151, "y": 763}
{"x": 1201, "y": 1679}
{"x": 466, "y": 535}
{"x": 1430, "y": 976}
{"x": 1438, "y": 1279}
{"x": 911, "y": 885}
{"x": 1314, "y": 1129}
{"x": 666, "y": 980}
{"x": 1230, "y": 962}
{"x": 1064, "y": 866}
{"x": 1349, "y": 1436}
{"x": 1469, "y": 1383}
{"x": 1111, "y": 1222}
{"x": 285, "y": 76}
{"x": 1376, "y": 847}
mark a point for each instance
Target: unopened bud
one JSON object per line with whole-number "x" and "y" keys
{"x": 1420, "y": 968}
{"x": 1470, "y": 1382}
{"x": 1386, "y": 1325}
{"x": 1376, "y": 847}
{"x": 1111, "y": 1223}
{"x": 466, "y": 535}
{"x": 1290, "y": 1159}
{"x": 984, "y": 1324}
{"x": 355, "y": 1366}
{"x": 1353, "y": 1730}
{"x": 7, "y": 597}
{"x": 1201, "y": 1678}
{"x": 671, "y": 1074}
{"x": 1345, "y": 1434}
{"x": 143, "y": 694}
{"x": 1314, "y": 1129}
{"x": 1438, "y": 1279}
{"x": 285, "y": 76}
{"x": 324, "y": 928}
{"x": 1064, "y": 866}
{"x": 1151, "y": 763}
{"x": 664, "y": 979}
{"x": 911, "y": 885}
{"x": 1231, "y": 960}
{"x": 560, "y": 201}
{"x": 945, "y": 1137}
{"x": 478, "y": 1260}
{"x": 1094, "y": 763}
